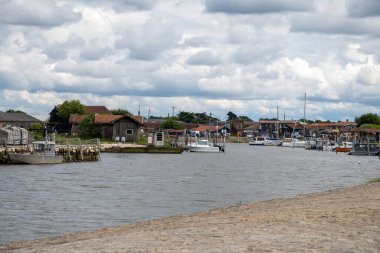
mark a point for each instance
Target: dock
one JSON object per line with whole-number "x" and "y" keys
{"x": 70, "y": 153}
{"x": 136, "y": 148}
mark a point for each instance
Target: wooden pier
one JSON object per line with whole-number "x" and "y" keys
{"x": 70, "y": 153}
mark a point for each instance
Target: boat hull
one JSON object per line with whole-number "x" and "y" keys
{"x": 204, "y": 149}
{"x": 341, "y": 149}
{"x": 35, "y": 159}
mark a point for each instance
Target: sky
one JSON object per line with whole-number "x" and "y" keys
{"x": 253, "y": 58}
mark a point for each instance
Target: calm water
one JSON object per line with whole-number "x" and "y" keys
{"x": 42, "y": 201}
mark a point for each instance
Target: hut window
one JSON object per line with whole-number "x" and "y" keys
{"x": 129, "y": 131}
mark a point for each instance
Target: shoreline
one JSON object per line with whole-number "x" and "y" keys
{"x": 345, "y": 219}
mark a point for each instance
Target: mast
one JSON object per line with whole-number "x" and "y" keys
{"x": 304, "y": 117}
{"x": 277, "y": 125}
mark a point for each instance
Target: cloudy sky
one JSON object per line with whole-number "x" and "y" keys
{"x": 213, "y": 56}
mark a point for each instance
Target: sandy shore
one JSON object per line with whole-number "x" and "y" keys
{"x": 342, "y": 220}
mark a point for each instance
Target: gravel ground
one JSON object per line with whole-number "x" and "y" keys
{"x": 341, "y": 220}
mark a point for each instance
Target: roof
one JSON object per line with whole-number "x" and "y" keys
{"x": 17, "y": 117}
{"x": 366, "y": 130}
{"x": 202, "y": 128}
{"x": 100, "y": 118}
{"x": 139, "y": 118}
{"x": 96, "y": 109}
{"x": 107, "y": 119}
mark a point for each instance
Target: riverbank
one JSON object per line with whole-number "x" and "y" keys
{"x": 341, "y": 220}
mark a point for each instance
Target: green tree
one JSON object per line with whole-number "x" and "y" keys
{"x": 245, "y": 118}
{"x": 188, "y": 117}
{"x": 368, "y": 118}
{"x": 88, "y": 128}
{"x": 38, "y": 131}
{"x": 14, "y": 111}
{"x": 59, "y": 123}
{"x": 171, "y": 124}
{"x": 231, "y": 116}
{"x": 120, "y": 112}
{"x": 201, "y": 118}
{"x": 70, "y": 107}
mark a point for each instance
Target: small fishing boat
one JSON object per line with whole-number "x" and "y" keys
{"x": 295, "y": 143}
{"x": 43, "y": 153}
{"x": 365, "y": 149}
{"x": 258, "y": 141}
{"x": 272, "y": 142}
{"x": 203, "y": 146}
{"x": 286, "y": 142}
{"x": 345, "y": 146}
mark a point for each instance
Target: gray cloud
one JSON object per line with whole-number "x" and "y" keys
{"x": 95, "y": 52}
{"x": 36, "y": 13}
{"x": 333, "y": 25}
{"x": 150, "y": 40}
{"x": 268, "y": 75}
{"x": 198, "y": 41}
{"x": 123, "y": 5}
{"x": 258, "y": 6}
{"x": 363, "y": 8}
{"x": 203, "y": 58}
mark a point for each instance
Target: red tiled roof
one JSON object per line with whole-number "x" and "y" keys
{"x": 99, "y": 109}
{"x": 203, "y": 128}
{"x": 139, "y": 118}
{"x": 76, "y": 118}
{"x": 99, "y": 118}
{"x": 106, "y": 119}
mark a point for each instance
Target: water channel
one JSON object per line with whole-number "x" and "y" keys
{"x": 43, "y": 201}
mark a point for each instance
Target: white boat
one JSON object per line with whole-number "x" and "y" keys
{"x": 286, "y": 142}
{"x": 203, "y": 146}
{"x": 295, "y": 143}
{"x": 272, "y": 142}
{"x": 259, "y": 141}
{"x": 43, "y": 153}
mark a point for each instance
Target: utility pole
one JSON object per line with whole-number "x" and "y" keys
{"x": 173, "y": 111}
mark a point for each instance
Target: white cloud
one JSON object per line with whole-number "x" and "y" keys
{"x": 36, "y": 13}
{"x": 201, "y": 56}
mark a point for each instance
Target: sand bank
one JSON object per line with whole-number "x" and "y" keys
{"x": 342, "y": 220}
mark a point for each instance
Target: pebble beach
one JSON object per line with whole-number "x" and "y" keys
{"x": 340, "y": 220}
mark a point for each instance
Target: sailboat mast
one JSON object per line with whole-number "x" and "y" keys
{"x": 304, "y": 116}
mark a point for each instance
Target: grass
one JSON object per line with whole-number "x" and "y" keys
{"x": 376, "y": 180}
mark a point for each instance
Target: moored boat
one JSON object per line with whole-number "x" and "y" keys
{"x": 203, "y": 146}
{"x": 365, "y": 149}
{"x": 344, "y": 147}
{"x": 43, "y": 153}
{"x": 295, "y": 143}
{"x": 257, "y": 141}
{"x": 272, "y": 142}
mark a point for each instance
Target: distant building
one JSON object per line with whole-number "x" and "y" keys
{"x": 115, "y": 127}
{"x": 18, "y": 119}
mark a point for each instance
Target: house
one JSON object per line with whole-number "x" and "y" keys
{"x": 365, "y": 135}
{"x": 207, "y": 130}
{"x": 18, "y": 119}
{"x": 115, "y": 127}
{"x": 280, "y": 128}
